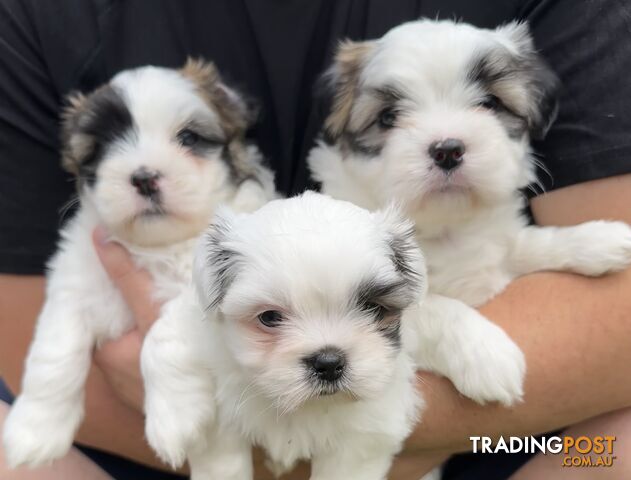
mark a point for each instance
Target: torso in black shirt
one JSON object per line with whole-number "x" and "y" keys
{"x": 273, "y": 50}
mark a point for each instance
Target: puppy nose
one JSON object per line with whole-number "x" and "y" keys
{"x": 447, "y": 154}
{"x": 328, "y": 364}
{"x": 145, "y": 181}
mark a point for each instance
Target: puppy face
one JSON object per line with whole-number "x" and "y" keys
{"x": 309, "y": 292}
{"x": 439, "y": 115}
{"x": 156, "y": 149}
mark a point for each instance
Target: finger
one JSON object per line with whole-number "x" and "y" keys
{"x": 119, "y": 360}
{"x": 134, "y": 283}
{"x": 122, "y": 353}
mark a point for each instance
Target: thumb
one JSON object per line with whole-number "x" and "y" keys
{"x": 134, "y": 283}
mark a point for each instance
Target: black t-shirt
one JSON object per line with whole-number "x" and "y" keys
{"x": 274, "y": 50}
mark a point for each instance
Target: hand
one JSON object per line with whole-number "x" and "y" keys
{"x": 120, "y": 359}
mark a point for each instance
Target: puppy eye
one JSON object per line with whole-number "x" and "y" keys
{"x": 387, "y": 118}
{"x": 188, "y": 138}
{"x": 270, "y": 318}
{"x": 491, "y": 102}
{"x": 376, "y": 310}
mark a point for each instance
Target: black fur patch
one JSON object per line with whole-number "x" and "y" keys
{"x": 358, "y": 143}
{"x": 494, "y": 69}
{"x": 368, "y": 140}
{"x": 392, "y": 295}
{"x": 90, "y": 125}
{"x": 404, "y": 252}
{"x": 390, "y": 94}
{"x": 237, "y": 175}
{"x": 221, "y": 263}
{"x": 391, "y": 298}
{"x": 392, "y": 330}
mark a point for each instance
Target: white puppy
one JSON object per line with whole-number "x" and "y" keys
{"x": 154, "y": 152}
{"x": 438, "y": 116}
{"x": 305, "y": 305}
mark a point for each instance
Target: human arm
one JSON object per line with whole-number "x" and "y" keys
{"x": 574, "y": 331}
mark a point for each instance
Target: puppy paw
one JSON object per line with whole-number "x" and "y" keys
{"x": 36, "y": 434}
{"x": 278, "y": 469}
{"x": 169, "y": 440}
{"x": 489, "y": 367}
{"x": 172, "y": 431}
{"x": 600, "y": 247}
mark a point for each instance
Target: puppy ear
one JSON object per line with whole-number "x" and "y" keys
{"x": 544, "y": 88}
{"x": 516, "y": 36}
{"x": 405, "y": 252}
{"x": 235, "y": 112}
{"x": 216, "y": 260}
{"x": 88, "y": 123}
{"x": 342, "y": 82}
{"x": 75, "y": 145}
{"x": 541, "y": 83}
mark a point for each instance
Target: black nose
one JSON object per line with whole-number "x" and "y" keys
{"x": 328, "y": 364}
{"x": 447, "y": 154}
{"x": 145, "y": 181}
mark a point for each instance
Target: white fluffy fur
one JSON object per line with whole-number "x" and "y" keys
{"x": 83, "y": 307}
{"x": 469, "y": 222}
{"x": 304, "y": 256}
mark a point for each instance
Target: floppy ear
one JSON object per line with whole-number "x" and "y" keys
{"x": 544, "y": 88}
{"x": 216, "y": 261}
{"x": 540, "y": 81}
{"x": 405, "y": 252}
{"x": 235, "y": 113}
{"x": 342, "y": 81}
{"x": 88, "y": 123}
{"x": 75, "y": 146}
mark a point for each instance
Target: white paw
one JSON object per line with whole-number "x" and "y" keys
{"x": 601, "y": 247}
{"x": 173, "y": 429}
{"x": 36, "y": 433}
{"x": 489, "y": 367}
{"x": 278, "y": 469}
{"x": 171, "y": 438}
{"x": 223, "y": 455}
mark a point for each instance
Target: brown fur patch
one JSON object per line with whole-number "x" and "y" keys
{"x": 232, "y": 110}
{"x": 76, "y": 104}
{"x": 349, "y": 60}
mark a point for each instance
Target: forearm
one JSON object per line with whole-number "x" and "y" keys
{"x": 576, "y": 338}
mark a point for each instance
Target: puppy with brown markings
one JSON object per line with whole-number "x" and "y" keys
{"x": 154, "y": 152}
{"x": 438, "y": 115}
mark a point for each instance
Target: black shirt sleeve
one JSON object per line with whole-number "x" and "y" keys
{"x": 588, "y": 43}
{"x": 32, "y": 185}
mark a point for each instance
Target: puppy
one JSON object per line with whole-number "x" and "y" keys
{"x": 439, "y": 115}
{"x": 154, "y": 152}
{"x": 297, "y": 332}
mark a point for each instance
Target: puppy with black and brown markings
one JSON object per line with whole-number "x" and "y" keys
{"x": 154, "y": 152}
{"x": 438, "y": 116}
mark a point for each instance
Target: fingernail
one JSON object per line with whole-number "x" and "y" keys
{"x": 101, "y": 236}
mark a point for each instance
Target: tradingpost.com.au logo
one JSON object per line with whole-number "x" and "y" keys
{"x": 583, "y": 451}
